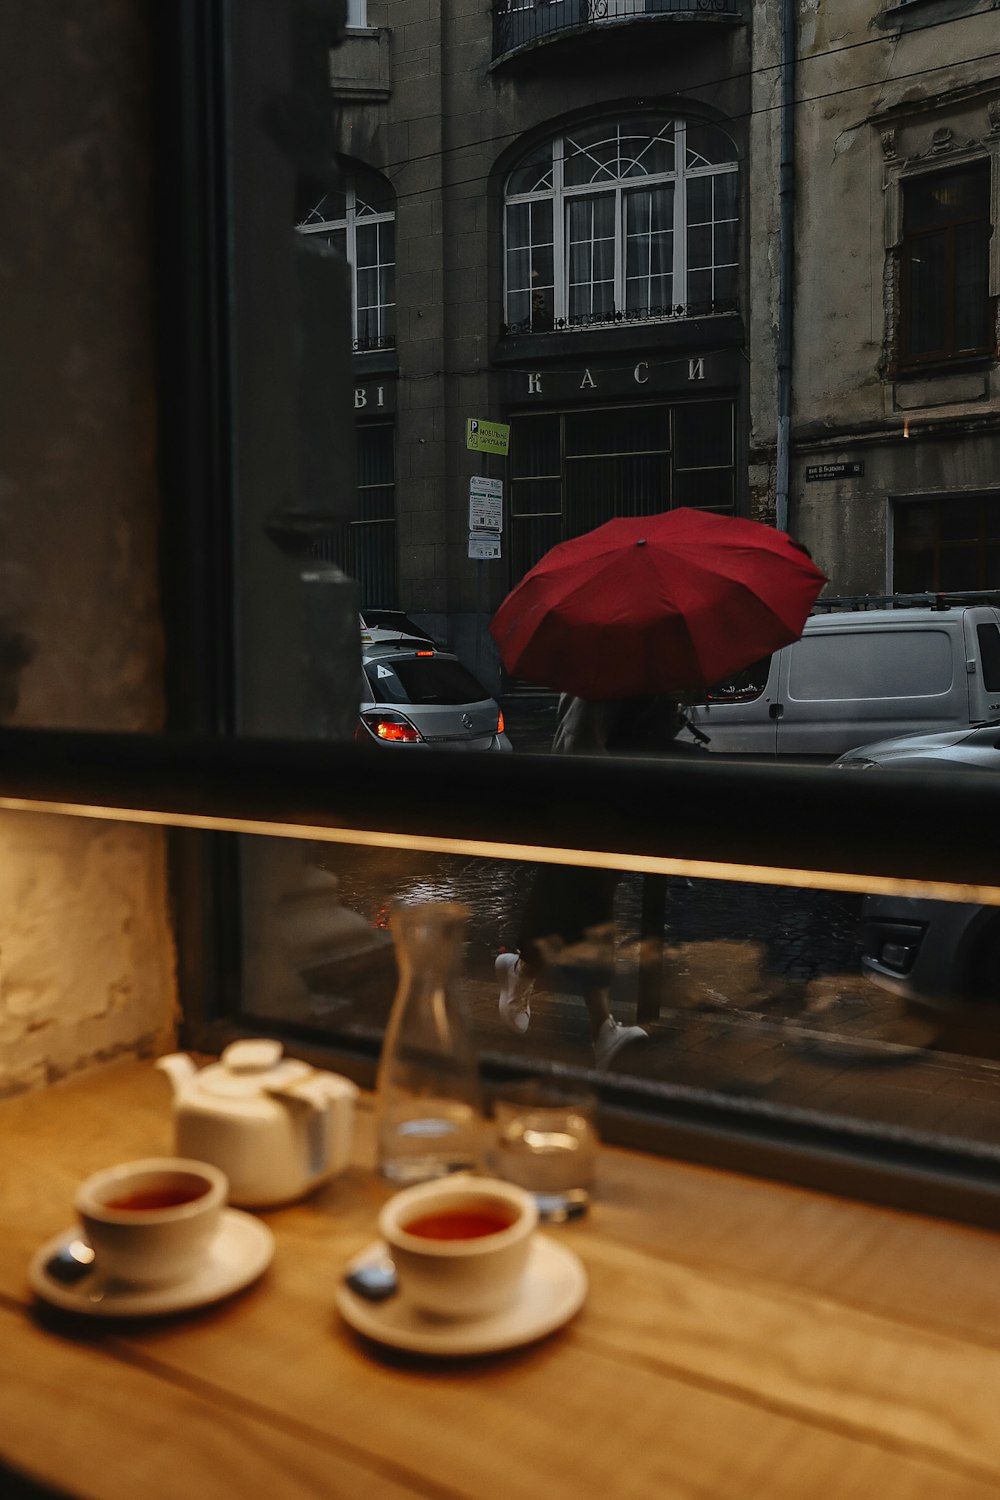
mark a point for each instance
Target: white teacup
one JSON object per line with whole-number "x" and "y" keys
{"x": 152, "y": 1221}
{"x": 460, "y": 1244}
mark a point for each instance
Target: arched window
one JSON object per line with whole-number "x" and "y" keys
{"x": 360, "y": 220}
{"x": 630, "y": 219}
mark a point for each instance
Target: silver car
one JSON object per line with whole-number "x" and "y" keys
{"x": 414, "y": 695}
{"x": 941, "y": 954}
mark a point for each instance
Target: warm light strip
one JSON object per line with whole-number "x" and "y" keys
{"x": 641, "y": 864}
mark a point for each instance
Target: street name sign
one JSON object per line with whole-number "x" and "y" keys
{"x": 852, "y": 470}
{"x": 487, "y": 437}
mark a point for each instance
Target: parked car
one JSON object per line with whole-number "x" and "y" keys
{"x": 864, "y": 668}
{"x": 951, "y": 750}
{"x": 941, "y": 954}
{"x": 393, "y": 620}
{"x": 414, "y": 695}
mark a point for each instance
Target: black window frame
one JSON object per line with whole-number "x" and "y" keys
{"x": 735, "y": 811}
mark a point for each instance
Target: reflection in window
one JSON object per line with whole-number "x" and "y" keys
{"x": 843, "y": 1006}
{"x": 365, "y": 548}
{"x": 629, "y": 220}
{"x": 945, "y": 266}
{"x": 741, "y": 687}
{"x": 360, "y": 222}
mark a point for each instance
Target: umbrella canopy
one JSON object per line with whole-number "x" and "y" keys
{"x": 654, "y": 604}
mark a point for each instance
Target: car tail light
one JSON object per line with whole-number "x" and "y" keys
{"x": 391, "y": 729}
{"x": 500, "y": 722}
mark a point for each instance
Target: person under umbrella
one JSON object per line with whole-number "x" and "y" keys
{"x": 637, "y": 608}
{"x": 566, "y": 930}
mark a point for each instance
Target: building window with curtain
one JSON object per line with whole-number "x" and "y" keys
{"x": 630, "y": 220}
{"x": 945, "y": 306}
{"x": 359, "y": 220}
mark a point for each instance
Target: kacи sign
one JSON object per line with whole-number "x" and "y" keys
{"x": 487, "y": 437}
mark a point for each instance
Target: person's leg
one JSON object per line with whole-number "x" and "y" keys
{"x": 548, "y": 911}
{"x": 516, "y": 985}
{"x": 567, "y": 937}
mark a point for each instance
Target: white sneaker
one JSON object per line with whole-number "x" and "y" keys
{"x": 611, "y": 1038}
{"x": 515, "y": 990}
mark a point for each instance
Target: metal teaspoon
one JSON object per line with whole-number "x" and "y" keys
{"x": 375, "y": 1280}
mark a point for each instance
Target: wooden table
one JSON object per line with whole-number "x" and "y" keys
{"x": 739, "y": 1339}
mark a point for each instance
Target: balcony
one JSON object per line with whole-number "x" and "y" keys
{"x": 518, "y": 24}
{"x": 672, "y": 313}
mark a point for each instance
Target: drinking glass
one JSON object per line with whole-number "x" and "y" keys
{"x": 546, "y": 1142}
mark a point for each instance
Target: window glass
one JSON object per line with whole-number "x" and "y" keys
{"x": 945, "y": 264}
{"x": 741, "y": 687}
{"x": 989, "y": 656}
{"x": 945, "y": 543}
{"x": 635, "y": 227}
{"x": 423, "y": 679}
{"x": 360, "y": 223}
{"x": 502, "y": 352}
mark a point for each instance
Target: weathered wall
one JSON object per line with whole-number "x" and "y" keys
{"x": 86, "y": 957}
{"x": 879, "y": 96}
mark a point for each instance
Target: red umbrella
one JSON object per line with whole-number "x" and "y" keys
{"x": 665, "y": 603}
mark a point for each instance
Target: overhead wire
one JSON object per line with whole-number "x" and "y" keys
{"x": 505, "y": 137}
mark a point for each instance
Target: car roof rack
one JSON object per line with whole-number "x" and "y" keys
{"x": 930, "y": 600}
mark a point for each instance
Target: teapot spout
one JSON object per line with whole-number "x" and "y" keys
{"x": 178, "y": 1068}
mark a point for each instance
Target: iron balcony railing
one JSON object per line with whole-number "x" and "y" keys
{"x": 670, "y": 312}
{"x": 518, "y": 23}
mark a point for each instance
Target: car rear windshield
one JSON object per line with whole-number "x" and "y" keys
{"x": 423, "y": 679}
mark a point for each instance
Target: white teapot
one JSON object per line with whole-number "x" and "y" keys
{"x": 276, "y": 1127}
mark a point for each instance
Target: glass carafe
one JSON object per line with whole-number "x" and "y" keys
{"x": 428, "y": 1099}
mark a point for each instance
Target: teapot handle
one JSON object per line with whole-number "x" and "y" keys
{"x": 329, "y": 1100}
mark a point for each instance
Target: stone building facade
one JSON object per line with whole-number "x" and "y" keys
{"x": 896, "y": 295}
{"x": 595, "y": 221}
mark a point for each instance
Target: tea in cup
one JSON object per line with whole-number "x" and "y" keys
{"x": 460, "y": 1244}
{"x": 151, "y": 1222}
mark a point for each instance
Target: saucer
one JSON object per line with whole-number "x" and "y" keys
{"x": 553, "y": 1289}
{"x": 240, "y": 1252}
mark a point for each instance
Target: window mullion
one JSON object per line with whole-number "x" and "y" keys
{"x": 351, "y": 246}
{"x": 620, "y": 249}
{"x": 680, "y": 213}
{"x": 560, "y": 267}
{"x": 951, "y": 293}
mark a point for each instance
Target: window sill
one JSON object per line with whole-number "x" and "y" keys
{"x": 941, "y": 385}
{"x": 908, "y": 15}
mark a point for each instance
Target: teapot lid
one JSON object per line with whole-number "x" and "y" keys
{"x": 252, "y": 1055}
{"x": 250, "y": 1067}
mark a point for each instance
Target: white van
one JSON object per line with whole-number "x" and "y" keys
{"x": 864, "y": 669}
